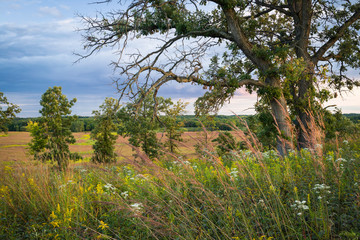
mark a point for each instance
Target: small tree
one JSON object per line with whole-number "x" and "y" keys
{"x": 140, "y": 124}
{"x": 52, "y": 134}
{"x": 103, "y": 133}
{"x": 7, "y": 114}
{"x": 172, "y": 126}
{"x": 226, "y": 143}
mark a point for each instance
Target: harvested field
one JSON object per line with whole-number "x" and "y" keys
{"x": 13, "y": 146}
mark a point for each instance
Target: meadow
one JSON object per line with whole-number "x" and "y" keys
{"x": 246, "y": 194}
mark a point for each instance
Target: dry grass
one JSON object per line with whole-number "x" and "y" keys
{"x": 13, "y": 147}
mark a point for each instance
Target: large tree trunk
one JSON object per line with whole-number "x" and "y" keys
{"x": 302, "y": 14}
{"x": 308, "y": 135}
{"x": 282, "y": 121}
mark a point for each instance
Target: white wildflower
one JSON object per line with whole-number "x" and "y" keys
{"x": 136, "y": 207}
{"x": 321, "y": 187}
{"x": 109, "y": 186}
{"x": 345, "y": 141}
{"x": 124, "y": 194}
{"x": 300, "y": 206}
{"x": 341, "y": 160}
{"x": 234, "y": 173}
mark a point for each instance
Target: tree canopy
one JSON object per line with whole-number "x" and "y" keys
{"x": 51, "y": 136}
{"x": 7, "y": 114}
{"x": 292, "y": 53}
{"x": 104, "y": 132}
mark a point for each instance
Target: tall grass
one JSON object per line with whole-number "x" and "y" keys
{"x": 245, "y": 195}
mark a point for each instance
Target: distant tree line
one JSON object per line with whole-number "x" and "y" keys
{"x": 87, "y": 124}
{"x": 82, "y": 124}
{"x": 190, "y": 122}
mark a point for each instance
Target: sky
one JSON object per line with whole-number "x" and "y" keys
{"x": 38, "y": 40}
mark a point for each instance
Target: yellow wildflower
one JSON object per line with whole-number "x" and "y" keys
{"x": 53, "y": 215}
{"x": 103, "y": 225}
{"x": 31, "y": 182}
{"x": 4, "y": 191}
{"x": 8, "y": 169}
{"x": 55, "y": 223}
{"x": 99, "y": 189}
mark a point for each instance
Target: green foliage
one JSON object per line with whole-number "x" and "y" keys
{"x": 52, "y": 135}
{"x": 172, "y": 125}
{"x": 140, "y": 124}
{"x": 269, "y": 49}
{"x": 226, "y": 143}
{"x": 262, "y": 124}
{"x": 39, "y": 139}
{"x": 77, "y": 126}
{"x": 7, "y": 114}
{"x": 103, "y": 132}
{"x": 337, "y": 124}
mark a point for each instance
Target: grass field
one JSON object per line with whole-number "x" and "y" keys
{"x": 244, "y": 195}
{"x": 13, "y": 146}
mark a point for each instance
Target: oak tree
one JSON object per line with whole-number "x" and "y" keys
{"x": 290, "y": 52}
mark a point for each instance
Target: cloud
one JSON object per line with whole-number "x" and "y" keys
{"x": 348, "y": 102}
{"x": 52, "y": 11}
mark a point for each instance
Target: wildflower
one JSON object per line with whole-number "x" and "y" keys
{"x": 124, "y": 194}
{"x": 108, "y": 186}
{"x": 55, "y": 224}
{"x": 136, "y": 207}
{"x": 31, "y": 182}
{"x": 4, "y": 190}
{"x": 345, "y": 141}
{"x": 234, "y": 173}
{"x": 300, "y": 206}
{"x": 341, "y": 160}
{"x": 319, "y": 187}
{"x": 99, "y": 189}
{"x": 103, "y": 225}
{"x": 8, "y": 169}
{"x": 53, "y": 215}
